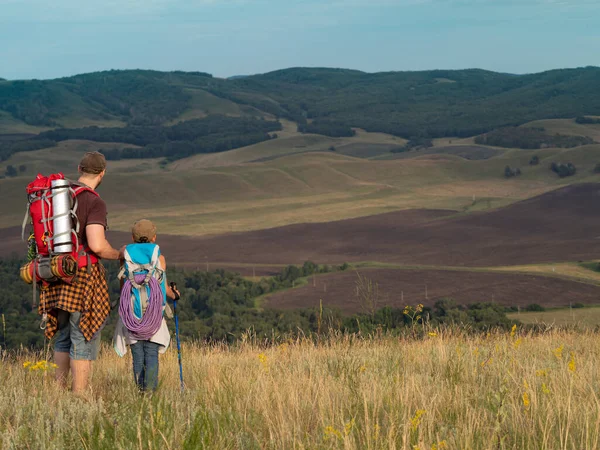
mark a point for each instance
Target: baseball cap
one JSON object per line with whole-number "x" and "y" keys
{"x": 143, "y": 231}
{"x": 92, "y": 162}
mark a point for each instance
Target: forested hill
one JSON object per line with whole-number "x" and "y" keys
{"x": 328, "y": 101}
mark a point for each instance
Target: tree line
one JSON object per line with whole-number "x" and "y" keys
{"x": 221, "y": 306}
{"x": 211, "y": 134}
{"x": 530, "y": 138}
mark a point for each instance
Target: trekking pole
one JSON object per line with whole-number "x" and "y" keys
{"x": 174, "y": 287}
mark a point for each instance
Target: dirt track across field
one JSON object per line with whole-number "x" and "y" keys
{"x": 398, "y": 288}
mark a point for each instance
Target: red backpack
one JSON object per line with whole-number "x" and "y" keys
{"x": 55, "y": 252}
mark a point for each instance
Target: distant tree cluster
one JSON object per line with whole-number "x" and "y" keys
{"x": 534, "y": 161}
{"x": 509, "y": 172}
{"x": 11, "y": 171}
{"x": 8, "y": 148}
{"x": 587, "y": 120}
{"x": 211, "y": 134}
{"x": 597, "y": 168}
{"x": 174, "y": 150}
{"x": 414, "y": 143}
{"x": 530, "y": 138}
{"x": 326, "y": 128}
{"x": 563, "y": 170}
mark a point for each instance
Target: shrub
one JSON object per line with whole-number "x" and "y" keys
{"x": 563, "y": 170}
{"x": 509, "y": 173}
{"x": 534, "y": 307}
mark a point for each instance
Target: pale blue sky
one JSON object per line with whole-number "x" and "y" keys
{"x": 53, "y": 38}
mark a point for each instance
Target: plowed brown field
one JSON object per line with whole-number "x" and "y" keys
{"x": 563, "y": 225}
{"x": 399, "y": 288}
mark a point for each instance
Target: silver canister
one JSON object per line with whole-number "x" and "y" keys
{"x": 61, "y": 211}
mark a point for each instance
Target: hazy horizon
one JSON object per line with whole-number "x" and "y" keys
{"x": 241, "y": 37}
{"x": 296, "y": 67}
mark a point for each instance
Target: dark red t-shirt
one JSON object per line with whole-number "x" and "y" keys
{"x": 91, "y": 209}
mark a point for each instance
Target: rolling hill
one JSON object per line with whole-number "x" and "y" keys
{"x": 433, "y": 103}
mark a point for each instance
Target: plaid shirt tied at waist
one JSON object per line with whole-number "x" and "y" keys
{"x": 88, "y": 294}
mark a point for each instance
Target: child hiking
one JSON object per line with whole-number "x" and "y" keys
{"x": 141, "y": 324}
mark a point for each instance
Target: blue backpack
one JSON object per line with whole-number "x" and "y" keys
{"x": 142, "y": 259}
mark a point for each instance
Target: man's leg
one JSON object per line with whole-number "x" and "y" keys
{"x": 81, "y": 374}
{"x": 82, "y": 354}
{"x": 62, "y": 346}
{"x": 139, "y": 373}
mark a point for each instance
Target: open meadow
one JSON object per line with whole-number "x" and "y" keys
{"x": 340, "y": 198}
{"x": 439, "y": 389}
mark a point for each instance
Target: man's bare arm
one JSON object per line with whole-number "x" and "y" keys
{"x": 96, "y": 239}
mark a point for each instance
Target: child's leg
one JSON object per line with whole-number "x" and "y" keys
{"x": 139, "y": 374}
{"x": 151, "y": 363}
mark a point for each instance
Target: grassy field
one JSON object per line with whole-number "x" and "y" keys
{"x": 447, "y": 390}
{"x": 588, "y": 317}
{"x": 295, "y": 178}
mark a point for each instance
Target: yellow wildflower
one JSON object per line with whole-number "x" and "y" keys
{"x": 362, "y": 368}
{"x": 348, "y": 427}
{"x": 432, "y": 334}
{"x": 263, "y": 360}
{"x": 416, "y": 420}
{"x": 40, "y": 365}
{"x": 572, "y": 367}
{"x": 26, "y": 364}
{"x": 486, "y": 362}
{"x": 545, "y": 389}
{"x": 558, "y": 351}
{"x": 526, "y": 400}
{"x": 541, "y": 373}
{"x": 513, "y": 330}
{"x": 376, "y": 430}
{"x": 331, "y": 432}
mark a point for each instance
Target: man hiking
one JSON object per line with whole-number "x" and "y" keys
{"x": 76, "y": 312}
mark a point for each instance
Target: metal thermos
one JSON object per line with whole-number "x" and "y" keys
{"x": 61, "y": 210}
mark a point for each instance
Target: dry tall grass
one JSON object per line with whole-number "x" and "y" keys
{"x": 447, "y": 391}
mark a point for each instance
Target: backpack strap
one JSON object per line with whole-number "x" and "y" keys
{"x": 85, "y": 256}
{"x": 132, "y": 267}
